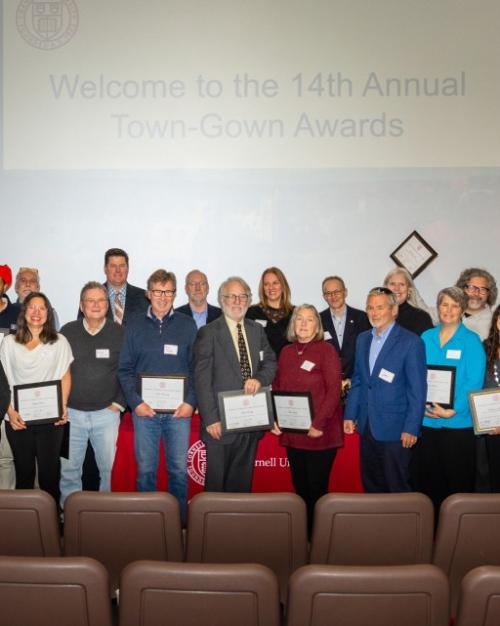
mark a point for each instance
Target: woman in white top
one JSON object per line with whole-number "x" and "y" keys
{"x": 35, "y": 354}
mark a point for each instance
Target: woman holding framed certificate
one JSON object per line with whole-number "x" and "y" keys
{"x": 445, "y": 455}
{"x": 274, "y": 309}
{"x": 492, "y": 381}
{"x": 309, "y": 368}
{"x": 36, "y": 361}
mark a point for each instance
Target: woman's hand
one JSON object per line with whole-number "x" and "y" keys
{"x": 276, "y": 429}
{"x": 16, "y": 421}
{"x": 314, "y": 433}
{"x": 436, "y": 411}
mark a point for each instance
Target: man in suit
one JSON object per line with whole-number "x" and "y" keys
{"x": 197, "y": 307}
{"x": 342, "y": 324}
{"x": 386, "y": 403}
{"x": 230, "y": 353}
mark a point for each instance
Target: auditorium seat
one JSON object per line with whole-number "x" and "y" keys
{"x": 356, "y": 595}
{"x": 28, "y": 523}
{"x": 117, "y": 528}
{"x": 372, "y": 529}
{"x": 48, "y": 591}
{"x": 479, "y": 603}
{"x": 468, "y": 535}
{"x": 184, "y": 594}
{"x": 265, "y": 528}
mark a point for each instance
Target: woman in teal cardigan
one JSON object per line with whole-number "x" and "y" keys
{"x": 445, "y": 455}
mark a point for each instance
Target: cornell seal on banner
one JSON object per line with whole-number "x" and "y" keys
{"x": 197, "y": 462}
{"x": 47, "y": 24}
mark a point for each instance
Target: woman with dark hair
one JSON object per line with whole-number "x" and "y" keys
{"x": 310, "y": 364}
{"x": 445, "y": 456}
{"x": 492, "y": 381}
{"x": 35, "y": 354}
{"x": 274, "y": 309}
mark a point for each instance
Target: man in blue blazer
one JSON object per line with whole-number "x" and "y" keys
{"x": 386, "y": 403}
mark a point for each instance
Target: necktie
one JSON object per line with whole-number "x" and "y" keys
{"x": 246, "y": 371}
{"x": 118, "y": 309}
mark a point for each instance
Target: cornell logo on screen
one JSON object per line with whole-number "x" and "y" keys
{"x": 47, "y": 24}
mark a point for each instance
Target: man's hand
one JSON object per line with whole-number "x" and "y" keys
{"x": 144, "y": 410}
{"x": 214, "y": 430}
{"x": 252, "y": 385}
{"x": 349, "y": 427}
{"x": 408, "y": 440}
{"x": 184, "y": 410}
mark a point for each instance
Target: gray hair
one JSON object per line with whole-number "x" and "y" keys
{"x": 470, "y": 272}
{"x": 383, "y": 291}
{"x": 233, "y": 279}
{"x": 290, "y": 332}
{"x": 189, "y": 274}
{"x": 456, "y": 294}
{"x": 92, "y": 284}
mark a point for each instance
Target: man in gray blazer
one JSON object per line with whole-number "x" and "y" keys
{"x": 230, "y": 353}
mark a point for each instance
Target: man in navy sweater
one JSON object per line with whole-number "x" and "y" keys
{"x": 160, "y": 342}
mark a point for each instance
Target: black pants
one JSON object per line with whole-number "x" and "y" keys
{"x": 230, "y": 466}
{"x": 310, "y": 475}
{"x": 385, "y": 465}
{"x": 37, "y": 444}
{"x": 445, "y": 462}
{"x": 493, "y": 450}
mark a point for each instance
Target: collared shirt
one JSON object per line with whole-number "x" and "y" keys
{"x": 157, "y": 320}
{"x": 339, "y": 324}
{"x": 121, "y": 294}
{"x": 97, "y": 330}
{"x": 234, "y": 335}
{"x": 200, "y": 318}
{"x": 377, "y": 344}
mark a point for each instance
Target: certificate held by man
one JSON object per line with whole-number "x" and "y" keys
{"x": 163, "y": 393}
{"x": 39, "y": 403}
{"x": 241, "y": 412}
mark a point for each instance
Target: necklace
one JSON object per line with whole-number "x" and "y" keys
{"x": 300, "y": 351}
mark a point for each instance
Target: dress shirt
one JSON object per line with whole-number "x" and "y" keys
{"x": 200, "y": 318}
{"x": 377, "y": 344}
{"x": 339, "y": 325}
{"x": 234, "y": 336}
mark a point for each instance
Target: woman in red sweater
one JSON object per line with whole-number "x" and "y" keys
{"x": 309, "y": 364}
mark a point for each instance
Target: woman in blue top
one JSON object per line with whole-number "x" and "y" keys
{"x": 445, "y": 456}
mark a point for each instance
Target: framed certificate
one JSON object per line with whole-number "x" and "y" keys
{"x": 39, "y": 403}
{"x": 163, "y": 393}
{"x": 240, "y": 412}
{"x": 485, "y": 409}
{"x": 441, "y": 385}
{"x": 414, "y": 254}
{"x": 293, "y": 410}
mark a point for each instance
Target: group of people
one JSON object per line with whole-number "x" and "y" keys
{"x": 365, "y": 371}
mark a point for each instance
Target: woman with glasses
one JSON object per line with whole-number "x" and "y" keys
{"x": 446, "y": 453}
{"x": 274, "y": 309}
{"x": 312, "y": 365}
{"x": 36, "y": 354}
{"x": 492, "y": 381}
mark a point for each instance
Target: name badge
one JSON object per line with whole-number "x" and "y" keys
{"x": 263, "y": 323}
{"x": 386, "y": 375}
{"x": 307, "y": 365}
{"x": 102, "y": 353}
{"x": 453, "y": 354}
{"x": 261, "y": 355}
{"x": 170, "y": 348}
{"x": 327, "y": 335}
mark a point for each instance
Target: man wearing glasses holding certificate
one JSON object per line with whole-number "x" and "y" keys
{"x": 232, "y": 353}
{"x": 155, "y": 372}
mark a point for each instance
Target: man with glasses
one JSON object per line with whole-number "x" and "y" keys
{"x": 27, "y": 281}
{"x": 231, "y": 353}
{"x": 160, "y": 342}
{"x": 342, "y": 324}
{"x": 96, "y": 398}
{"x": 481, "y": 290}
{"x": 197, "y": 307}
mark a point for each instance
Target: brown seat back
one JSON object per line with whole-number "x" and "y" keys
{"x": 48, "y": 591}
{"x": 479, "y": 603}
{"x": 117, "y": 528}
{"x": 468, "y": 536}
{"x": 183, "y": 594}
{"x": 28, "y": 523}
{"x": 372, "y": 529}
{"x": 348, "y": 595}
{"x": 265, "y": 528}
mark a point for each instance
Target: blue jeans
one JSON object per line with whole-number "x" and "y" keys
{"x": 175, "y": 432}
{"x": 101, "y": 428}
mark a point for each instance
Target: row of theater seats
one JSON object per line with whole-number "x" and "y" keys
{"x": 269, "y": 529}
{"x": 73, "y": 591}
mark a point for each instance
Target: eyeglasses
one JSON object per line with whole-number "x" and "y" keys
{"x": 158, "y": 293}
{"x": 36, "y": 307}
{"x": 474, "y": 289}
{"x": 233, "y": 298}
{"x": 202, "y": 283}
{"x": 98, "y": 301}
{"x": 336, "y": 292}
